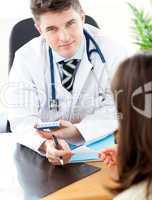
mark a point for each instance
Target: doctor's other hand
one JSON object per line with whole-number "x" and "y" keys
{"x": 69, "y": 132}
{"x": 54, "y": 155}
{"x": 66, "y": 131}
{"x": 109, "y": 156}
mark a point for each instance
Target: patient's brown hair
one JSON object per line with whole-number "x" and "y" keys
{"x": 132, "y": 81}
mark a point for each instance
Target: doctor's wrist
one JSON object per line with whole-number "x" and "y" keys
{"x": 77, "y": 138}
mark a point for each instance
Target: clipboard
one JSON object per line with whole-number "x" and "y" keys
{"x": 89, "y": 151}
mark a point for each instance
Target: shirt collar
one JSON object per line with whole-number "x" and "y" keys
{"x": 78, "y": 54}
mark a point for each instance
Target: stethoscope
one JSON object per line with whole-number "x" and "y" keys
{"x": 54, "y": 102}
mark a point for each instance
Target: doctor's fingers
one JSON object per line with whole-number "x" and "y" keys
{"x": 55, "y": 156}
{"x": 67, "y": 151}
{"x": 45, "y": 134}
{"x": 64, "y": 123}
{"x": 54, "y": 153}
{"x": 64, "y": 145}
{"x": 66, "y": 132}
{"x": 54, "y": 161}
{"x": 59, "y": 161}
{"x": 59, "y": 132}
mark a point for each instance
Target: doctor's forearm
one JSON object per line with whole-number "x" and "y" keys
{"x": 77, "y": 138}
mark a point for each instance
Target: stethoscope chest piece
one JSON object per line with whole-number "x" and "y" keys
{"x": 54, "y": 104}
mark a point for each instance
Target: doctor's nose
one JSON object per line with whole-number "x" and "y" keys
{"x": 63, "y": 35}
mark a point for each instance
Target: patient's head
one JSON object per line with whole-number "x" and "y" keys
{"x": 132, "y": 89}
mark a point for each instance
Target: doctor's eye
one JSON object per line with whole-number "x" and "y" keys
{"x": 51, "y": 29}
{"x": 71, "y": 22}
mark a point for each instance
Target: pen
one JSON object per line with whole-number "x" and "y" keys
{"x": 57, "y": 146}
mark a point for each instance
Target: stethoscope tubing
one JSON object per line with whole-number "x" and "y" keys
{"x": 89, "y": 53}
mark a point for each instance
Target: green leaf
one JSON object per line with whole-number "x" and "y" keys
{"x": 142, "y": 27}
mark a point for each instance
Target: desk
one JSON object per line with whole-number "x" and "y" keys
{"x": 21, "y": 166}
{"x": 89, "y": 188}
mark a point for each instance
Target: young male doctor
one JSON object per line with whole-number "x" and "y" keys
{"x": 62, "y": 75}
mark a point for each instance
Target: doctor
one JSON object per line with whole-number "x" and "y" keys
{"x": 62, "y": 75}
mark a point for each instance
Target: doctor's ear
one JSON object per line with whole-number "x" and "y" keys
{"x": 83, "y": 19}
{"x": 37, "y": 26}
{"x": 82, "y": 14}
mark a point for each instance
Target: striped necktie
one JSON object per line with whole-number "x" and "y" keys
{"x": 69, "y": 69}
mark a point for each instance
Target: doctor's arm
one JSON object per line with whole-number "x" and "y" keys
{"x": 67, "y": 131}
{"x": 101, "y": 122}
{"x": 104, "y": 119}
{"x": 23, "y": 102}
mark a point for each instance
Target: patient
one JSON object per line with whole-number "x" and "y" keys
{"x": 132, "y": 90}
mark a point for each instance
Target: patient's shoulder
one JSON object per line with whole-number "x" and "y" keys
{"x": 135, "y": 192}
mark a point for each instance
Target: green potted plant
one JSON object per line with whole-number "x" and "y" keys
{"x": 142, "y": 26}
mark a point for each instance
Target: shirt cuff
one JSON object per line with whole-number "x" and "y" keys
{"x": 93, "y": 129}
{"x": 30, "y": 139}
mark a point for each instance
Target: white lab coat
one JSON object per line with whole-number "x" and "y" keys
{"x": 29, "y": 91}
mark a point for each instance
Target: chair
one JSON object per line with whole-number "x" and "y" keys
{"x": 90, "y": 20}
{"x": 23, "y": 32}
{"x": 4, "y": 127}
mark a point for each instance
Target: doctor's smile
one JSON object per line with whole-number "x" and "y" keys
{"x": 67, "y": 45}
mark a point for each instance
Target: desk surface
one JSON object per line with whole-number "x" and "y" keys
{"x": 89, "y": 188}
{"x": 13, "y": 182}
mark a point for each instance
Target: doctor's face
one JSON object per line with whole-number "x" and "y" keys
{"x": 63, "y": 31}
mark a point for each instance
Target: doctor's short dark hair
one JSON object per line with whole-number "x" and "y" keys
{"x": 39, "y": 7}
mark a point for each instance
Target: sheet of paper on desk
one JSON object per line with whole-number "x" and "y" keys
{"x": 89, "y": 151}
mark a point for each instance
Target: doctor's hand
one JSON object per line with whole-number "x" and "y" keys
{"x": 66, "y": 131}
{"x": 54, "y": 155}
